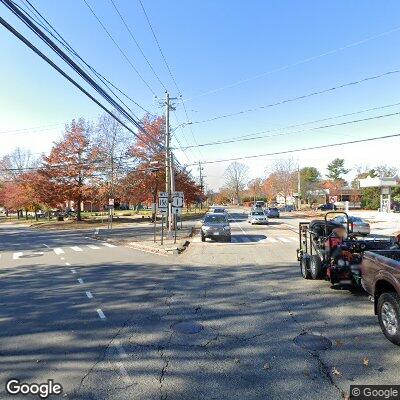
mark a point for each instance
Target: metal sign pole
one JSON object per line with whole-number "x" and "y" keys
{"x": 155, "y": 222}
{"x": 162, "y": 229}
{"x": 175, "y": 227}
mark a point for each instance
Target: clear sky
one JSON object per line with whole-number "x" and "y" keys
{"x": 212, "y": 44}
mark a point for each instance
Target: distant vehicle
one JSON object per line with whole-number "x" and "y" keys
{"x": 216, "y": 226}
{"x": 357, "y": 225}
{"x": 257, "y": 217}
{"x": 259, "y": 204}
{"x": 219, "y": 210}
{"x": 287, "y": 207}
{"x": 326, "y": 207}
{"x": 273, "y": 213}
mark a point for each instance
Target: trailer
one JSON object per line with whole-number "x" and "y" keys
{"x": 328, "y": 250}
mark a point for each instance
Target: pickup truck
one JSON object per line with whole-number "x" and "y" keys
{"x": 380, "y": 277}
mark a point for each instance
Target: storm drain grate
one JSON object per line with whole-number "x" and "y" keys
{"x": 312, "y": 341}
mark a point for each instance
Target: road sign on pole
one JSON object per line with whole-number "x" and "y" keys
{"x": 163, "y": 202}
{"x": 333, "y": 199}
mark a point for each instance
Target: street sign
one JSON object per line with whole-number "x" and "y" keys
{"x": 163, "y": 202}
{"x": 177, "y": 210}
{"x": 110, "y": 202}
{"x": 177, "y": 199}
{"x": 332, "y": 199}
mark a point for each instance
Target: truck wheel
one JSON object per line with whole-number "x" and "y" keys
{"x": 203, "y": 238}
{"x": 304, "y": 267}
{"x": 315, "y": 267}
{"x": 389, "y": 316}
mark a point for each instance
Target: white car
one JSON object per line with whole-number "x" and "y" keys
{"x": 357, "y": 225}
{"x": 257, "y": 217}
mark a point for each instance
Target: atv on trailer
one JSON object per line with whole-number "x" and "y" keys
{"x": 329, "y": 250}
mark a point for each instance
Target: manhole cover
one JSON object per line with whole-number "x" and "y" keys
{"x": 188, "y": 328}
{"x": 311, "y": 341}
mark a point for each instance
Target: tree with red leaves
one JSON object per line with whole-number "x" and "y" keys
{"x": 71, "y": 166}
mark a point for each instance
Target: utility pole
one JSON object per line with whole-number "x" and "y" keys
{"x": 167, "y": 158}
{"x": 201, "y": 184}
{"x": 172, "y": 188}
{"x": 298, "y": 188}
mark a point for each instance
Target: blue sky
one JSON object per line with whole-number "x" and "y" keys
{"x": 213, "y": 44}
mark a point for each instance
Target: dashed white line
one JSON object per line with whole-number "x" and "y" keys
{"x": 67, "y": 264}
{"x": 74, "y": 272}
{"x": 101, "y": 314}
{"x": 76, "y": 248}
{"x": 63, "y": 258}
{"x": 80, "y": 280}
{"x": 58, "y": 250}
{"x": 89, "y": 295}
{"x": 17, "y": 255}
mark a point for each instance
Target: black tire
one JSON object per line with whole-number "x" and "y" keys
{"x": 305, "y": 267}
{"x": 228, "y": 239}
{"x": 316, "y": 270}
{"x": 389, "y": 320}
{"x": 203, "y": 238}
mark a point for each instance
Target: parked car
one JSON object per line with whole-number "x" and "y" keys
{"x": 260, "y": 204}
{"x": 273, "y": 213}
{"x": 257, "y": 217}
{"x": 326, "y": 207}
{"x": 288, "y": 208}
{"x": 216, "y": 226}
{"x": 357, "y": 225}
{"x": 380, "y": 277}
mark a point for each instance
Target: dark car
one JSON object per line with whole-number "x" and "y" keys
{"x": 273, "y": 213}
{"x": 216, "y": 226}
{"x": 219, "y": 210}
{"x": 326, "y": 207}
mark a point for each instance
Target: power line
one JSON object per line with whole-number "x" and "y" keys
{"x": 306, "y": 60}
{"x": 244, "y": 139}
{"x": 136, "y": 42}
{"x": 64, "y": 74}
{"x": 298, "y": 150}
{"x": 353, "y": 83}
{"x": 60, "y": 39}
{"x": 119, "y": 48}
{"x": 170, "y": 73}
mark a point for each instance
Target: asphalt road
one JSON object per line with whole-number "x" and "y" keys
{"x": 217, "y": 322}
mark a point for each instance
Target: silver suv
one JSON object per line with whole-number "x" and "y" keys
{"x": 216, "y": 226}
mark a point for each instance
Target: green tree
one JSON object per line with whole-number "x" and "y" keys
{"x": 336, "y": 169}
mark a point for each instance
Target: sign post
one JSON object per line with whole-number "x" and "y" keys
{"x": 177, "y": 205}
{"x": 110, "y": 212}
{"x": 163, "y": 208}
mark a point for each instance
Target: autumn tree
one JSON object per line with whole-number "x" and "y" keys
{"x": 284, "y": 177}
{"x": 71, "y": 165}
{"x": 236, "y": 177}
{"x": 255, "y": 187}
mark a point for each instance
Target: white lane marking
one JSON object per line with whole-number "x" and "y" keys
{"x": 285, "y": 240}
{"x": 58, "y": 250}
{"x": 271, "y": 240}
{"x": 109, "y": 245}
{"x": 38, "y": 253}
{"x": 101, "y": 314}
{"x": 80, "y": 280}
{"x": 294, "y": 239}
{"x": 89, "y": 295}
{"x": 45, "y": 245}
{"x": 17, "y": 255}
{"x": 92, "y": 246}
{"x": 67, "y": 264}
{"x": 62, "y": 258}
{"x": 76, "y": 248}
{"x": 73, "y": 271}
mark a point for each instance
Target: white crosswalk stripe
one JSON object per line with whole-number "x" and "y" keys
{"x": 109, "y": 245}
{"x": 58, "y": 250}
{"x": 76, "y": 248}
{"x": 92, "y": 246}
{"x": 17, "y": 255}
